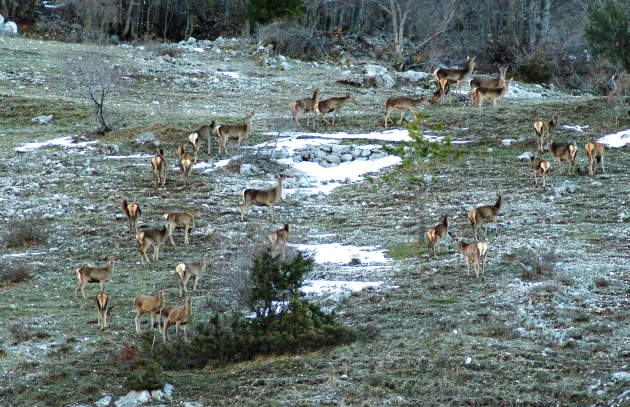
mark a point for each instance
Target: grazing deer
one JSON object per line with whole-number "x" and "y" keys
{"x": 436, "y": 234}
{"x": 563, "y": 152}
{"x": 540, "y": 167}
{"x": 173, "y": 315}
{"x": 621, "y": 84}
{"x": 158, "y": 164}
{"x": 181, "y": 220}
{"x": 280, "y": 237}
{"x": 203, "y": 133}
{"x": 595, "y": 152}
{"x": 101, "y": 302}
{"x": 185, "y": 164}
{"x": 476, "y": 83}
{"x": 544, "y": 128}
{"x": 193, "y": 270}
{"x": 155, "y": 237}
{"x": 402, "y": 103}
{"x": 331, "y": 105}
{"x": 238, "y": 132}
{"x": 493, "y": 94}
{"x": 306, "y": 105}
{"x": 132, "y": 211}
{"x": 454, "y": 75}
{"x": 262, "y": 197}
{"x": 485, "y": 214}
{"x": 441, "y": 92}
{"x": 474, "y": 252}
{"x": 149, "y": 305}
{"x": 87, "y": 274}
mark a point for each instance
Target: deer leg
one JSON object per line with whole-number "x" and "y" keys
{"x": 186, "y": 233}
{"x": 272, "y": 214}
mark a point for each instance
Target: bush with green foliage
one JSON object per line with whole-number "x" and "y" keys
{"x": 608, "y": 30}
{"x": 140, "y": 373}
{"x": 534, "y": 70}
{"x": 264, "y": 11}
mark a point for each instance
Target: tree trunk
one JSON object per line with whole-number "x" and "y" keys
{"x": 127, "y": 20}
{"x": 545, "y": 19}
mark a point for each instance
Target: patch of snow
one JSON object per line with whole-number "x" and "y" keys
{"x": 123, "y": 157}
{"x": 575, "y": 127}
{"x": 62, "y": 141}
{"x": 336, "y": 253}
{"x": 233, "y": 75}
{"x": 616, "y": 140}
{"x": 323, "y": 287}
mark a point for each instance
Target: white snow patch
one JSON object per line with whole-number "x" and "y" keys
{"x": 233, "y": 75}
{"x": 616, "y": 140}
{"x": 62, "y": 141}
{"x": 336, "y": 253}
{"x": 575, "y": 127}
{"x": 322, "y": 287}
{"x": 133, "y": 156}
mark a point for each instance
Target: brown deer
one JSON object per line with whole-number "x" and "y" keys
{"x": 441, "y": 92}
{"x": 186, "y": 271}
{"x": 280, "y": 237}
{"x": 436, "y": 234}
{"x": 132, "y": 211}
{"x": 540, "y": 167}
{"x": 493, "y": 94}
{"x": 155, "y": 237}
{"x": 544, "y": 128}
{"x": 203, "y": 133}
{"x": 306, "y": 105}
{"x": 595, "y": 152}
{"x": 176, "y": 315}
{"x": 563, "y": 152}
{"x": 87, "y": 274}
{"x": 330, "y": 105}
{"x": 181, "y": 220}
{"x": 485, "y": 83}
{"x": 455, "y": 75}
{"x": 149, "y": 305}
{"x": 185, "y": 164}
{"x": 485, "y": 214}
{"x": 238, "y": 132}
{"x": 621, "y": 84}
{"x": 402, "y": 103}
{"x": 101, "y": 302}
{"x": 474, "y": 252}
{"x": 262, "y": 197}
{"x": 158, "y": 164}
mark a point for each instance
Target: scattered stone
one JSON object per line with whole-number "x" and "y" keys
{"x": 411, "y": 76}
{"x": 285, "y": 66}
{"x": 508, "y": 142}
{"x": 145, "y": 138}
{"x": 43, "y": 120}
{"x": 384, "y": 81}
{"x": 373, "y": 70}
{"x": 104, "y": 402}
{"x": 133, "y": 398}
{"x": 526, "y": 156}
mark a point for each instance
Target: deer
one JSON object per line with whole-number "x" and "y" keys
{"x": 87, "y": 274}
{"x": 476, "y": 253}
{"x": 176, "y": 315}
{"x": 404, "y": 104}
{"x": 544, "y": 128}
{"x": 193, "y": 270}
{"x": 436, "y": 234}
{"x": 477, "y": 82}
{"x": 540, "y": 167}
{"x": 493, "y": 94}
{"x": 331, "y": 105}
{"x": 563, "y": 152}
{"x": 238, "y": 132}
{"x": 441, "y": 92}
{"x": 149, "y": 305}
{"x": 280, "y": 237}
{"x": 158, "y": 164}
{"x": 203, "y": 133}
{"x": 155, "y": 237}
{"x": 185, "y": 164}
{"x": 306, "y": 105}
{"x": 621, "y": 84}
{"x": 485, "y": 214}
{"x": 101, "y": 302}
{"x": 181, "y": 220}
{"x": 595, "y": 152}
{"x": 454, "y": 75}
{"x": 132, "y": 211}
{"x": 262, "y": 197}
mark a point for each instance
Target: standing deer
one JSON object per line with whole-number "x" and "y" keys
{"x": 185, "y": 164}
{"x": 493, "y": 94}
{"x": 563, "y": 152}
{"x": 540, "y": 167}
{"x": 149, "y": 305}
{"x": 474, "y": 252}
{"x": 262, "y": 197}
{"x": 279, "y": 238}
{"x": 186, "y": 271}
{"x": 155, "y": 237}
{"x": 306, "y": 105}
{"x": 203, "y": 133}
{"x": 331, "y": 105}
{"x": 181, "y": 220}
{"x": 485, "y": 214}
{"x": 158, "y": 164}
{"x": 621, "y": 85}
{"x": 595, "y": 152}
{"x": 132, "y": 211}
{"x": 477, "y": 82}
{"x": 101, "y": 302}
{"x": 238, "y": 132}
{"x": 441, "y": 92}
{"x": 402, "y": 103}
{"x": 436, "y": 234}
{"x": 544, "y": 128}
{"x": 454, "y": 75}
{"x": 87, "y": 274}
{"x": 173, "y": 315}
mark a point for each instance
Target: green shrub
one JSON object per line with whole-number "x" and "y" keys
{"x": 534, "y": 70}
{"x": 20, "y": 233}
{"x": 140, "y": 373}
